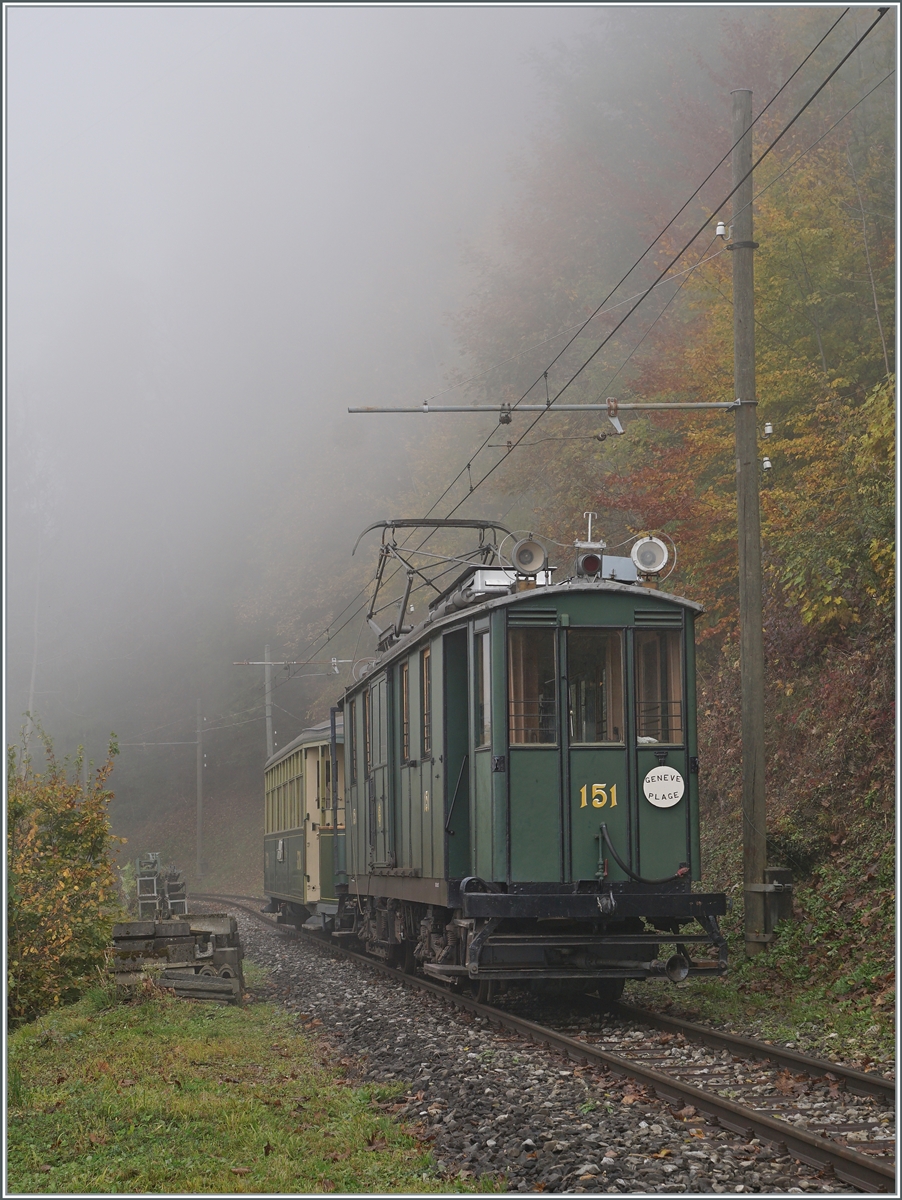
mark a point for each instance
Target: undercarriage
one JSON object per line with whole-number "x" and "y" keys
{"x": 544, "y": 936}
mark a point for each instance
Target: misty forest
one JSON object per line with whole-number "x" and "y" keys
{"x": 228, "y": 226}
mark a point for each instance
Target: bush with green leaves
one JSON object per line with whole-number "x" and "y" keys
{"x": 62, "y": 893}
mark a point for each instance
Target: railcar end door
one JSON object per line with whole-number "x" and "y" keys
{"x": 596, "y": 734}
{"x": 533, "y": 738}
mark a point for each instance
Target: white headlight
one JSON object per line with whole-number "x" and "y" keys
{"x": 650, "y": 556}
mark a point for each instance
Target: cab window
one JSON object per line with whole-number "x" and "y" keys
{"x": 595, "y": 685}
{"x": 659, "y": 686}
{"x": 532, "y": 688}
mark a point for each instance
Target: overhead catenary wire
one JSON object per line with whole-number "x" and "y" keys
{"x": 676, "y": 257}
{"x": 826, "y": 132}
{"x": 509, "y": 450}
{"x": 647, "y": 250}
{"x": 332, "y": 631}
{"x": 327, "y": 635}
{"x": 689, "y": 200}
{"x": 688, "y": 274}
{"x": 758, "y": 323}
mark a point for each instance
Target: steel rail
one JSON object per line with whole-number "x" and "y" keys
{"x": 862, "y": 1083}
{"x": 868, "y": 1174}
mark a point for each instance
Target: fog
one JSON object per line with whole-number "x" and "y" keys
{"x": 224, "y": 227}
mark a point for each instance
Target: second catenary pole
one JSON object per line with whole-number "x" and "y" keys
{"x": 751, "y": 616}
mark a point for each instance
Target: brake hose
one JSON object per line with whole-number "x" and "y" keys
{"x": 681, "y": 873}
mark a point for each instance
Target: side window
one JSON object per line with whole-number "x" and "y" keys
{"x": 377, "y": 724}
{"x": 405, "y": 713}
{"x": 482, "y": 709}
{"x": 367, "y": 734}
{"x": 380, "y": 702}
{"x": 426, "y": 691}
{"x": 532, "y": 687}
{"x": 595, "y": 685}
{"x": 659, "y": 685}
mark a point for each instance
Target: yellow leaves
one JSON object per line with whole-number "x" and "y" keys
{"x": 60, "y": 880}
{"x": 876, "y": 446}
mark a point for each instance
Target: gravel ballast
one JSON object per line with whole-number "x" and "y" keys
{"x": 492, "y": 1103}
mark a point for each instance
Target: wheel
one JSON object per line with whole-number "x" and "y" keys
{"x": 482, "y": 990}
{"x": 610, "y": 991}
{"x": 208, "y": 970}
{"x": 226, "y": 972}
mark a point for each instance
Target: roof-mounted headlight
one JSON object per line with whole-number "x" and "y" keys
{"x": 528, "y": 557}
{"x": 650, "y": 556}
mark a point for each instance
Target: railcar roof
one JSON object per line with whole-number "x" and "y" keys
{"x": 552, "y": 591}
{"x": 316, "y": 733}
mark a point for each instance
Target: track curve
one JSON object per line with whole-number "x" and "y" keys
{"x": 862, "y": 1171}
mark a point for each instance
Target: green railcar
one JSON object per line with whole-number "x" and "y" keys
{"x": 521, "y": 781}
{"x": 517, "y": 786}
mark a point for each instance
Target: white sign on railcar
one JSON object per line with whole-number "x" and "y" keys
{"x": 663, "y": 787}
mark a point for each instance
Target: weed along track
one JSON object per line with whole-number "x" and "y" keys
{"x": 619, "y": 1101}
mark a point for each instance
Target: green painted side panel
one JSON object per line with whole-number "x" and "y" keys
{"x": 404, "y": 841}
{"x": 282, "y": 878}
{"x": 327, "y": 865}
{"x": 603, "y": 774}
{"x": 482, "y": 789}
{"x": 412, "y": 796}
{"x": 496, "y": 864}
{"x": 663, "y": 832}
{"x": 398, "y": 822}
{"x": 535, "y": 816}
{"x": 457, "y": 760}
{"x": 295, "y": 853}
{"x": 380, "y": 812}
{"x": 434, "y": 819}
{"x": 421, "y": 784}
{"x": 269, "y": 862}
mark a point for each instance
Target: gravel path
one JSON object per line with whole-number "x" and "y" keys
{"x": 493, "y": 1103}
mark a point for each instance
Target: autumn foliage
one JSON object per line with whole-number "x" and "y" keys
{"x": 608, "y": 173}
{"x": 62, "y": 894}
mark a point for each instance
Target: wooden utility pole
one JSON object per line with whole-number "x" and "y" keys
{"x": 200, "y": 792}
{"x": 267, "y": 679}
{"x": 751, "y": 614}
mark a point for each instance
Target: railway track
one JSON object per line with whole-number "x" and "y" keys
{"x": 812, "y": 1107}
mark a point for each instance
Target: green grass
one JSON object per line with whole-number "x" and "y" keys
{"x": 171, "y": 1096}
